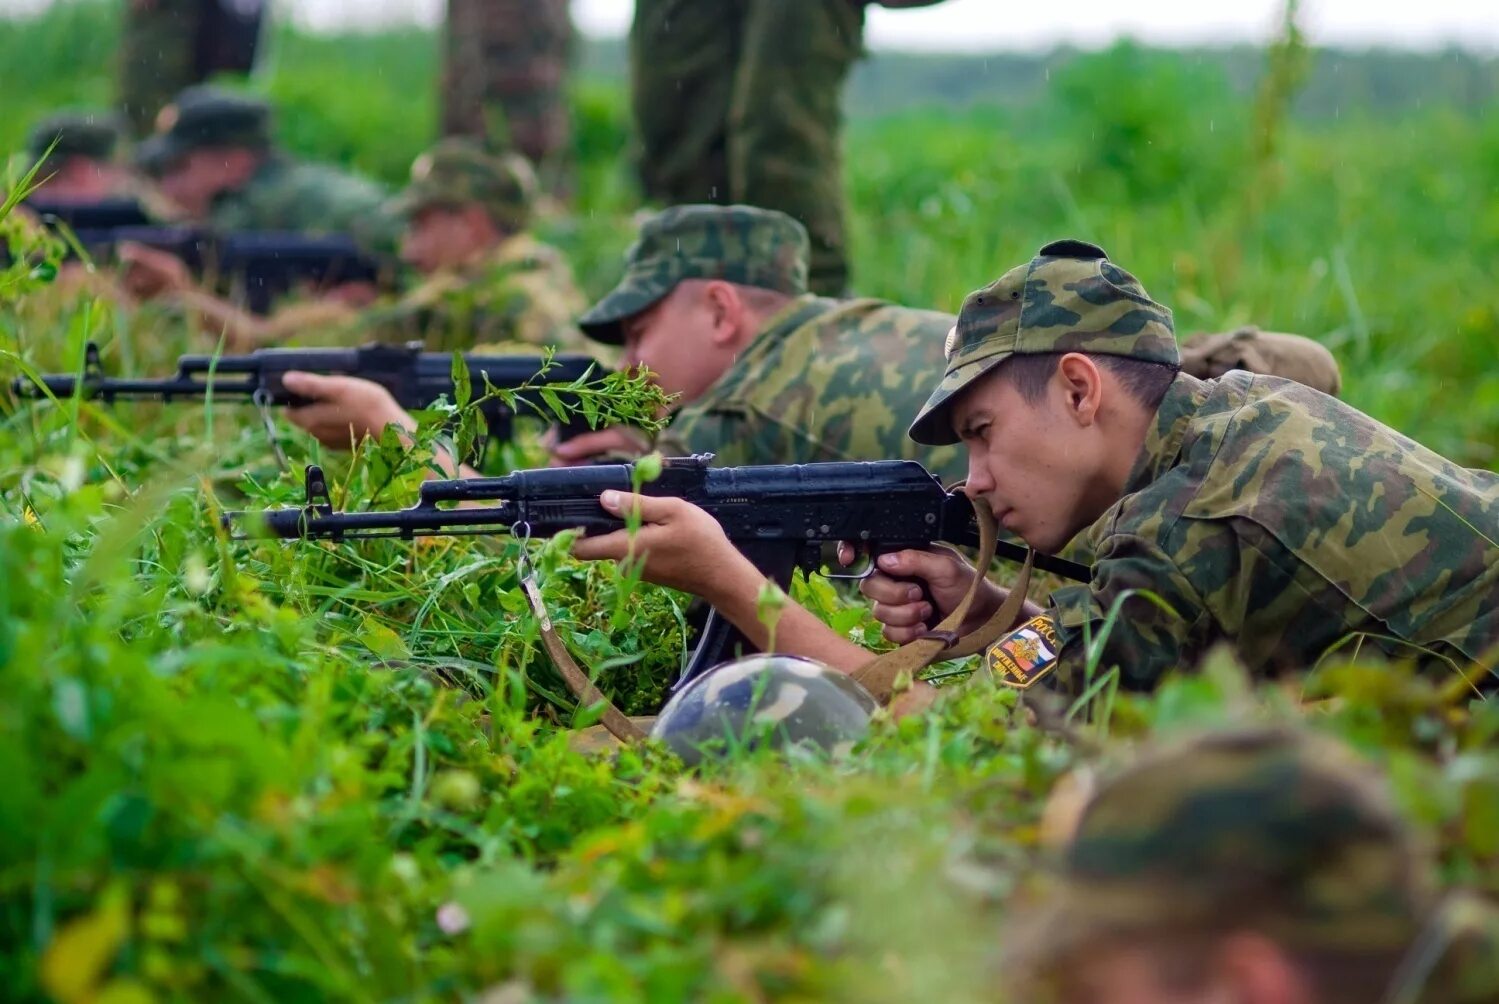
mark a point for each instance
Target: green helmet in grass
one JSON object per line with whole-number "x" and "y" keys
{"x": 781, "y": 700}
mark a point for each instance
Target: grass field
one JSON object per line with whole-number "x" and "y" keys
{"x": 234, "y": 771}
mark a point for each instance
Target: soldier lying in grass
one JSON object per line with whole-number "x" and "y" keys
{"x": 1257, "y": 865}
{"x": 714, "y": 302}
{"x": 1247, "y": 509}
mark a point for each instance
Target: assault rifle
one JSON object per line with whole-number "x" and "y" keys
{"x": 257, "y": 266}
{"x": 416, "y": 379}
{"x": 780, "y": 517}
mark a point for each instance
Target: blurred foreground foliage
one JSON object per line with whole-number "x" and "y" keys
{"x": 271, "y": 772}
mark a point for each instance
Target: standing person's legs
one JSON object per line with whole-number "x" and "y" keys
{"x": 786, "y": 121}
{"x": 683, "y": 55}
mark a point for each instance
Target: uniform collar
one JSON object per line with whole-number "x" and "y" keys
{"x": 1163, "y": 440}
{"x": 792, "y": 316}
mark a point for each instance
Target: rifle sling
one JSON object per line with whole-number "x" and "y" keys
{"x": 588, "y": 695}
{"x": 880, "y": 674}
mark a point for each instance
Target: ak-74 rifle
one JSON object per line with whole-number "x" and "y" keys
{"x": 416, "y": 379}
{"x": 780, "y": 517}
{"x": 256, "y": 266}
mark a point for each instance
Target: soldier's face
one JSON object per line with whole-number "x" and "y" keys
{"x": 682, "y": 339}
{"x": 194, "y": 179}
{"x": 1035, "y": 465}
{"x": 440, "y": 237}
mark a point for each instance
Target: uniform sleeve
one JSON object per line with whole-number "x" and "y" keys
{"x": 1161, "y": 624}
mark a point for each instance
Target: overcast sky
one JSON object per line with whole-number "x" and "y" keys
{"x": 993, "y": 24}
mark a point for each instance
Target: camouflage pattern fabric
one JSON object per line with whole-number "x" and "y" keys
{"x": 738, "y": 244}
{"x": 1069, "y": 298}
{"x": 739, "y": 101}
{"x": 504, "y": 75}
{"x": 1285, "y": 522}
{"x": 522, "y": 292}
{"x": 459, "y": 171}
{"x": 1271, "y": 353}
{"x": 825, "y": 380}
{"x": 1260, "y": 829}
{"x": 780, "y": 699}
{"x": 309, "y": 198}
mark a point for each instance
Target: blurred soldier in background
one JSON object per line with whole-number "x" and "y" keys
{"x": 212, "y": 154}
{"x": 738, "y": 101}
{"x": 503, "y": 79}
{"x": 167, "y": 45}
{"x": 1257, "y": 866}
{"x": 487, "y": 280}
{"x": 84, "y": 165}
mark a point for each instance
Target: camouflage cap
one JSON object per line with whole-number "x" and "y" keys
{"x": 92, "y": 134}
{"x": 205, "y": 116}
{"x": 458, "y": 171}
{"x": 1263, "y": 829}
{"x": 1069, "y": 298}
{"x": 739, "y": 244}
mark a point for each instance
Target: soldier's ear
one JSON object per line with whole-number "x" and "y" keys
{"x": 1081, "y": 384}
{"x": 726, "y": 310}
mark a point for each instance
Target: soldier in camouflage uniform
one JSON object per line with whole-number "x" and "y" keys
{"x": 738, "y": 101}
{"x": 714, "y": 300}
{"x": 1261, "y": 866}
{"x": 212, "y": 154}
{"x": 504, "y": 73}
{"x": 1253, "y": 510}
{"x": 84, "y": 163}
{"x": 487, "y": 280}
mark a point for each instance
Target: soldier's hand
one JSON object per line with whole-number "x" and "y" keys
{"x": 343, "y": 410}
{"x": 681, "y": 545}
{"x": 895, "y": 586}
{"x": 147, "y": 272}
{"x": 581, "y": 449}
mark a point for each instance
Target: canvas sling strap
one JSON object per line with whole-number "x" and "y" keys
{"x": 879, "y": 675}
{"x": 618, "y": 725}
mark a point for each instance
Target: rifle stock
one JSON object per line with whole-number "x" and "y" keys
{"x": 780, "y": 517}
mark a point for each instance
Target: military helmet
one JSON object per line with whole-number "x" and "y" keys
{"x": 782, "y": 700}
{"x": 205, "y": 116}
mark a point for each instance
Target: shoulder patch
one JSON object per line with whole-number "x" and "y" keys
{"x": 1027, "y": 654}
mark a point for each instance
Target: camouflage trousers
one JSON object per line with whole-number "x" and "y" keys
{"x": 738, "y": 101}
{"x": 166, "y": 45}
{"x": 504, "y": 72}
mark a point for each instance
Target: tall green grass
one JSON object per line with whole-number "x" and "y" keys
{"x": 266, "y": 772}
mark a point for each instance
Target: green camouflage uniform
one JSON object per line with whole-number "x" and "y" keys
{"x": 521, "y": 291}
{"x": 1262, "y": 512}
{"x": 504, "y": 72}
{"x": 1262, "y": 830}
{"x": 283, "y": 194}
{"x": 738, "y": 101}
{"x": 824, "y": 380}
